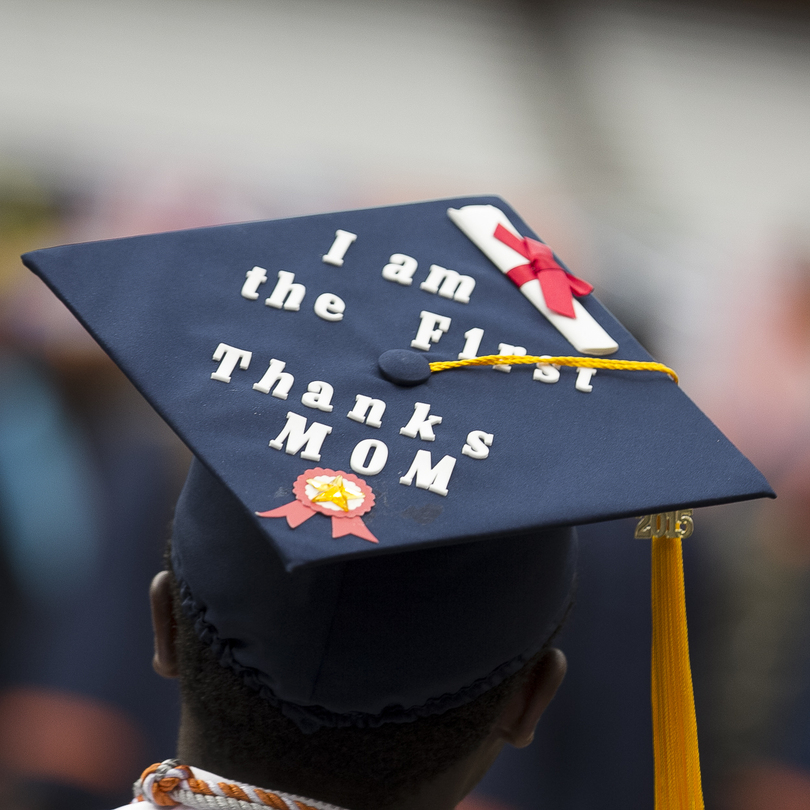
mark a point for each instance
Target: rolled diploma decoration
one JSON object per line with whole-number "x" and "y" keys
{"x": 478, "y": 222}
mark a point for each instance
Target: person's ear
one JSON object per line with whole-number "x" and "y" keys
{"x": 522, "y": 712}
{"x": 160, "y": 597}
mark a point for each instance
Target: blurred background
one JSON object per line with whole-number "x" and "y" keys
{"x": 661, "y": 148}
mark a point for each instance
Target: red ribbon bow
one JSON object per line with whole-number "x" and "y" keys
{"x": 558, "y": 284}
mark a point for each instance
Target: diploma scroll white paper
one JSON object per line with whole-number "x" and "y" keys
{"x": 478, "y": 222}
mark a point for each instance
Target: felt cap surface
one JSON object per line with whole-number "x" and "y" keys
{"x": 261, "y": 345}
{"x": 347, "y": 503}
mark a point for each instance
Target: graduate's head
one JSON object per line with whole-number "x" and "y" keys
{"x": 230, "y": 729}
{"x": 361, "y": 680}
{"x": 395, "y": 414}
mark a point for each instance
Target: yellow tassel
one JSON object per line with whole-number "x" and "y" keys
{"x": 677, "y": 761}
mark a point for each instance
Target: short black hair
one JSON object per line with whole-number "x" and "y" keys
{"x": 363, "y": 767}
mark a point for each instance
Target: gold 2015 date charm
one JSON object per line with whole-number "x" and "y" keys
{"x": 665, "y": 524}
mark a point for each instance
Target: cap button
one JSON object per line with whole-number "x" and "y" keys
{"x": 404, "y": 367}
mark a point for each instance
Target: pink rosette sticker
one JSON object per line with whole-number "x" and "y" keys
{"x": 342, "y": 496}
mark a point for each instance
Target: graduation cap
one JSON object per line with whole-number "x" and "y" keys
{"x": 396, "y": 415}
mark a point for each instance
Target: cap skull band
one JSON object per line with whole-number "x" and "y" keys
{"x": 364, "y": 539}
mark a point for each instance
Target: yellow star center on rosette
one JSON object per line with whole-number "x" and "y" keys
{"x": 333, "y": 491}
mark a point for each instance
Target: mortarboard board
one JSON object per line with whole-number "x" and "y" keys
{"x": 353, "y": 460}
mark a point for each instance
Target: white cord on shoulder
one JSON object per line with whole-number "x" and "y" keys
{"x": 170, "y": 784}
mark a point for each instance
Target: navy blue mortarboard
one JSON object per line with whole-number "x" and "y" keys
{"x": 340, "y": 475}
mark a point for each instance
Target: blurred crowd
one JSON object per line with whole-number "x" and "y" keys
{"x": 87, "y": 477}
{"x": 658, "y": 146}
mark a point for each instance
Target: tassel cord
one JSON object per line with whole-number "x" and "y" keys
{"x": 677, "y": 761}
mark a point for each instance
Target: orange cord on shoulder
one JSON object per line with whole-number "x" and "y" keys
{"x": 171, "y": 784}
